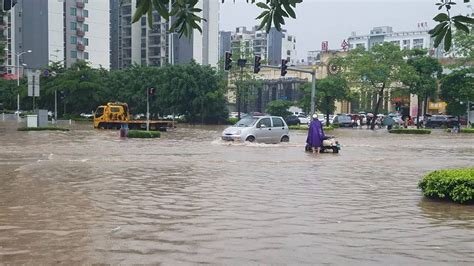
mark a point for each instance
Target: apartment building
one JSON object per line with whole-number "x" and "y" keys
{"x": 137, "y": 43}
{"x": 59, "y": 31}
{"x": 272, "y": 46}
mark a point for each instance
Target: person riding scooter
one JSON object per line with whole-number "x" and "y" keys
{"x": 315, "y": 135}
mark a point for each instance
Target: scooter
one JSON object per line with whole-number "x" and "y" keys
{"x": 329, "y": 144}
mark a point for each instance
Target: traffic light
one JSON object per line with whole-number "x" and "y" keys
{"x": 151, "y": 91}
{"x": 284, "y": 67}
{"x": 62, "y": 95}
{"x": 257, "y": 64}
{"x": 228, "y": 61}
{"x": 8, "y": 4}
{"x": 398, "y": 106}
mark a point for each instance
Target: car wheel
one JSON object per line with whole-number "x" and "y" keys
{"x": 335, "y": 150}
{"x": 285, "y": 139}
{"x": 250, "y": 139}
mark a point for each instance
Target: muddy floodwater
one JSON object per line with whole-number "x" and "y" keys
{"x": 86, "y": 196}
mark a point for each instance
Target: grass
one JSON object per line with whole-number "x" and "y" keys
{"x": 410, "y": 131}
{"x": 142, "y": 134}
{"x": 42, "y": 129}
{"x": 304, "y": 127}
{"x": 453, "y": 184}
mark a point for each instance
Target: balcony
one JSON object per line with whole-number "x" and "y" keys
{"x": 80, "y": 4}
{"x": 80, "y": 33}
{"x": 79, "y": 18}
{"x": 80, "y": 47}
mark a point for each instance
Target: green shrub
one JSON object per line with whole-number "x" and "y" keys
{"x": 42, "y": 129}
{"x": 143, "y": 134}
{"x": 410, "y": 131}
{"x": 232, "y": 120}
{"x": 467, "y": 130}
{"x": 335, "y": 126}
{"x": 454, "y": 184}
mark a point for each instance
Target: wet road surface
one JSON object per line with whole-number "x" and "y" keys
{"x": 85, "y": 196}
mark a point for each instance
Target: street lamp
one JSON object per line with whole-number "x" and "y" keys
{"x": 17, "y": 66}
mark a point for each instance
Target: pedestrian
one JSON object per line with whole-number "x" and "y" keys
{"x": 315, "y": 135}
{"x": 361, "y": 120}
{"x": 388, "y": 121}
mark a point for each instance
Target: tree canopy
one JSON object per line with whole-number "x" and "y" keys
{"x": 374, "y": 69}
{"x": 457, "y": 88}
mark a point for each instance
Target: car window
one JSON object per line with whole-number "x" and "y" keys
{"x": 99, "y": 112}
{"x": 115, "y": 109}
{"x": 277, "y": 122}
{"x": 264, "y": 121}
{"x": 246, "y": 122}
{"x": 344, "y": 119}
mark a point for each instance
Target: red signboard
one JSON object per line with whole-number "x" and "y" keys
{"x": 325, "y": 46}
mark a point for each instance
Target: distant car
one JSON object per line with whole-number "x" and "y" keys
{"x": 343, "y": 121}
{"x": 87, "y": 115}
{"x": 292, "y": 120}
{"x": 452, "y": 121}
{"x": 304, "y": 119}
{"x": 435, "y": 121}
{"x": 268, "y": 129}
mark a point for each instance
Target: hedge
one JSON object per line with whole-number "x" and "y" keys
{"x": 410, "y": 131}
{"x": 143, "y": 134}
{"x": 296, "y": 127}
{"x": 454, "y": 184}
{"x": 462, "y": 130}
{"x": 42, "y": 129}
{"x": 232, "y": 120}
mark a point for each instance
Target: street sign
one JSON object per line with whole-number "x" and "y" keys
{"x": 46, "y": 73}
{"x": 34, "y": 83}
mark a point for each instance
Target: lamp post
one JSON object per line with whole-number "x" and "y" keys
{"x": 17, "y": 67}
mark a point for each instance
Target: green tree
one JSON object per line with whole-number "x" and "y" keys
{"x": 375, "y": 69}
{"x": 421, "y": 78}
{"x": 279, "y": 108}
{"x": 457, "y": 88}
{"x": 8, "y": 92}
{"x": 81, "y": 86}
{"x": 328, "y": 90}
{"x": 464, "y": 46}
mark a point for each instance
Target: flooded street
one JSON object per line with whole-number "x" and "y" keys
{"x": 85, "y": 196}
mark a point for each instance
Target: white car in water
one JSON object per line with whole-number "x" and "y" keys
{"x": 267, "y": 129}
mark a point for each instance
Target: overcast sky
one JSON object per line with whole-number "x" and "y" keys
{"x": 334, "y": 20}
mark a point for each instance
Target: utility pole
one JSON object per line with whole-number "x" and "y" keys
{"x": 148, "y": 110}
{"x": 55, "y": 105}
{"x": 241, "y": 63}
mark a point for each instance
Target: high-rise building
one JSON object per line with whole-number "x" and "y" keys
{"x": 137, "y": 43}
{"x": 224, "y": 42}
{"x": 406, "y": 40}
{"x": 272, "y": 46}
{"x": 59, "y": 31}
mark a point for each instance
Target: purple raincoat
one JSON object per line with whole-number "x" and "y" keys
{"x": 315, "y": 134}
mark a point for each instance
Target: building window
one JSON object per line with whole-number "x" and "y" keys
{"x": 360, "y": 45}
{"x": 86, "y": 55}
{"x": 73, "y": 25}
{"x": 417, "y": 43}
{"x": 73, "y": 39}
{"x": 86, "y": 27}
{"x": 86, "y": 41}
{"x": 73, "y": 11}
{"x": 73, "y": 54}
{"x": 86, "y": 13}
{"x": 406, "y": 44}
